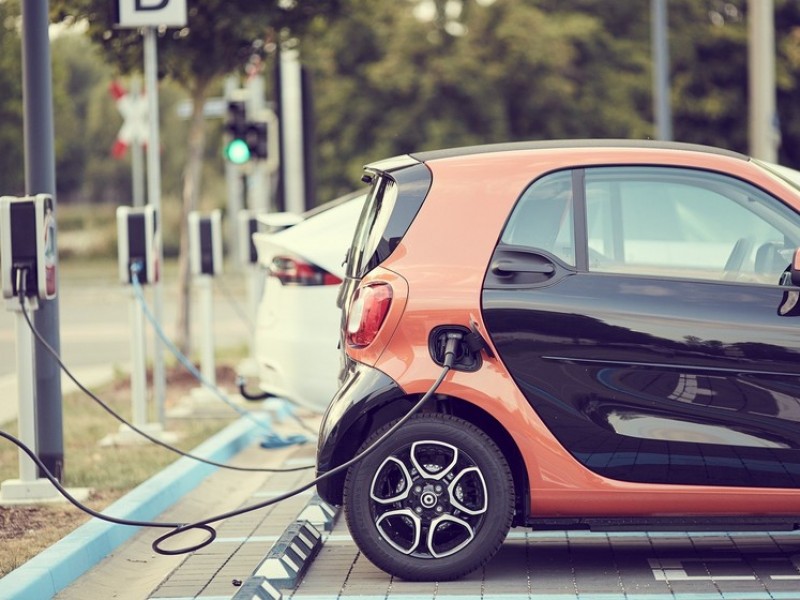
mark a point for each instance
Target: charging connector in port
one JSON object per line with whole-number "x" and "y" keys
{"x": 467, "y": 357}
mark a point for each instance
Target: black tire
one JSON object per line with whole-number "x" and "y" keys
{"x": 433, "y": 502}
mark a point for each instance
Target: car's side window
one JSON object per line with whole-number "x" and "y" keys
{"x": 542, "y": 218}
{"x": 672, "y": 222}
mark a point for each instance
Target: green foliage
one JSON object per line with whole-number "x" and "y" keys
{"x": 387, "y": 81}
{"x": 787, "y": 34}
{"x": 220, "y": 37}
{"x": 708, "y": 47}
{"x": 12, "y": 180}
{"x": 78, "y": 72}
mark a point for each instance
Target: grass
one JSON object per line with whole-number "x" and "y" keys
{"x": 110, "y": 471}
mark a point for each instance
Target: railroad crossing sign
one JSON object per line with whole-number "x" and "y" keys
{"x": 134, "y": 130}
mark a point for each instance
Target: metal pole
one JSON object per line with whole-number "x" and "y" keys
{"x": 292, "y": 132}
{"x": 258, "y": 196}
{"x": 26, "y": 393}
{"x": 40, "y": 177}
{"x": 205, "y": 291}
{"x": 233, "y": 174}
{"x": 138, "y": 364}
{"x": 764, "y": 130}
{"x": 662, "y": 108}
{"x": 137, "y": 154}
{"x": 154, "y": 198}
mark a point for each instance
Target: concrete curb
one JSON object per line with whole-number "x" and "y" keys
{"x": 320, "y": 514}
{"x": 65, "y": 561}
{"x": 291, "y": 555}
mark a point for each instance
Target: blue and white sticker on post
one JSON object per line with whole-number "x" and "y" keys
{"x": 151, "y": 13}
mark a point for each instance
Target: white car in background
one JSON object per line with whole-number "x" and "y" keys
{"x": 297, "y": 322}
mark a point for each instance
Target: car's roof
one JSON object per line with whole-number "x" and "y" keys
{"x": 405, "y": 160}
{"x": 429, "y": 155}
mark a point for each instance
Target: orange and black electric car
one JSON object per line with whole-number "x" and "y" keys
{"x": 621, "y": 323}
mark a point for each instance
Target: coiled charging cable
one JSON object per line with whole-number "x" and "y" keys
{"x": 205, "y": 525}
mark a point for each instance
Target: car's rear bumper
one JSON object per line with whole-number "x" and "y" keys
{"x": 348, "y": 420}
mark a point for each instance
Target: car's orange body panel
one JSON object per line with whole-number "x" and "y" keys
{"x": 444, "y": 251}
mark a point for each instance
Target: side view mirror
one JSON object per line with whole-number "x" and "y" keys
{"x": 794, "y": 268}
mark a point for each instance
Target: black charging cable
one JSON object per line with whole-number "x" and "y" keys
{"x": 245, "y": 320}
{"x": 453, "y": 340}
{"x": 136, "y": 268}
{"x": 450, "y": 353}
{"x": 21, "y": 293}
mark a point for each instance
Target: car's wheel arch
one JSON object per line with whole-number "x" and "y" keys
{"x": 394, "y": 408}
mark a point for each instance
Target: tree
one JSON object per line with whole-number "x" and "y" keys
{"x": 220, "y": 37}
{"x": 708, "y": 44}
{"x": 12, "y": 180}
{"x": 787, "y": 35}
{"x": 66, "y": 101}
{"x": 388, "y": 82}
{"x": 78, "y": 73}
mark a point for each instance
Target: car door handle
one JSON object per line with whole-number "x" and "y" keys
{"x": 521, "y": 266}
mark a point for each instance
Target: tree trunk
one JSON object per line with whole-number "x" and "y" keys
{"x": 191, "y": 193}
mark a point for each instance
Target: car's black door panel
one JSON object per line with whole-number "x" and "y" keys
{"x": 650, "y": 380}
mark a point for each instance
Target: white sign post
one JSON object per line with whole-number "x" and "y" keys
{"x": 150, "y": 14}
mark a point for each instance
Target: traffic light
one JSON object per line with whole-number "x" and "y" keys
{"x": 237, "y": 150}
{"x": 247, "y": 138}
{"x": 256, "y": 138}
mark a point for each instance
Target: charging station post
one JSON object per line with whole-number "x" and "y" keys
{"x": 28, "y": 268}
{"x": 247, "y": 225}
{"x": 137, "y": 257}
{"x": 205, "y": 262}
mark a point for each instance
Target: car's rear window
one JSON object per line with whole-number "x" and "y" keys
{"x": 391, "y": 206}
{"x": 371, "y": 224}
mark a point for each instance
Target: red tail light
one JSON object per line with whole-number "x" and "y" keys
{"x": 293, "y": 270}
{"x": 367, "y": 313}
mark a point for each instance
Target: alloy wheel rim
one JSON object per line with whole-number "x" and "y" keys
{"x": 428, "y": 499}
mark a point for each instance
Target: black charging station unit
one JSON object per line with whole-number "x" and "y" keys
{"x": 248, "y": 225}
{"x": 27, "y": 241}
{"x": 205, "y": 243}
{"x": 136, "y": 234}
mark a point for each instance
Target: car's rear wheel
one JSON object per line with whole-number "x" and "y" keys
{"x": 433, "y": 502}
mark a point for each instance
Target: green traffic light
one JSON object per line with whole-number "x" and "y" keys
{"x": 237, "y": 152}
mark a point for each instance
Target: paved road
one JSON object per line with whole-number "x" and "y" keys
{"x": 530, "y": 565}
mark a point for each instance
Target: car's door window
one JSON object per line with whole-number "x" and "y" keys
{"x": 685, "y": 223}
{"x": 542, "y": 218}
